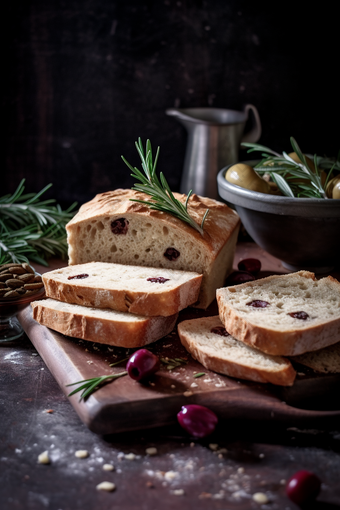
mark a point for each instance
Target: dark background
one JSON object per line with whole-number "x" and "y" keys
{"x": 85, "y": 78}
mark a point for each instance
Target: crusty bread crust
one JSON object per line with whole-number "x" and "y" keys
{"x": 151, "y": 299}
{"x": 282, "y": 375}
{"x": 151, "y": 232}
{"x": 273, "y": 341}
{"x": 74, "y": 321}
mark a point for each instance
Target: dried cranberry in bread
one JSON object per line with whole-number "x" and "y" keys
{"x": 283, "y": 315}
{"x": 141, "y": 290}
{"x": 207, "y": 341}
{"x": 112, "y": 228}
{"x": 101, "y": 325}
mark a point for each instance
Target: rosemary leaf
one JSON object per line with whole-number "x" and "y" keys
{"x": 158, "y": 188}
{"x": 200, "y": 374}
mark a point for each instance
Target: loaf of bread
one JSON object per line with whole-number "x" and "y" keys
{"x": 101, "y": 325}
{"x": 208, "y": 341}
{"x": 283, "y": 315}
{"x": 326, "y": 360}
{"x": 140, "y": 290}
{"x": 112, "y": 228}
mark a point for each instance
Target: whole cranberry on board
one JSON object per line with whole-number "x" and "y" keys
{"x": 303, "y": 487}
{"x": 252, "y": 266}
{"x": 142, "y": 364}
{"x": 198, "y": 420}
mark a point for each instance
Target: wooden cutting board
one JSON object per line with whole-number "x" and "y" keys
{"x": 125, "y": 405}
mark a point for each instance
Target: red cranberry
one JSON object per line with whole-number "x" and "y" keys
{"x": 219, "y": 330}
{"x": 257, "y": 303}
{"x": 302, "y": 487}
{"x": 239, "y": 277}
{"x": 251, "y": 265}
{"x": 119, "y": 226}
{"x": 299, "y": 315}
{"x": 78, "y": 276}
{"x": 171, "y": 254}
{"x": 158, "y": 279}
{"x": 142, "y": 364}
{"x": 199, "y": 421}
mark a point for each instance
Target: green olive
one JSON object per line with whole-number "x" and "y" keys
{"x": 333, "y": 188}
{"x": 246, "y": 177}
{"x": 296, "y": 158}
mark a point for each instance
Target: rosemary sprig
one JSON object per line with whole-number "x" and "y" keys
{"x": 158, "y": 188}
{"x": 292, "y": 178}
{"x": 89, "y": 386}
{"x": 118, "y": 362}
{"x": 31, "y": 228}
{"x": 172, "y": 363}
{"x": 200, "y": 374}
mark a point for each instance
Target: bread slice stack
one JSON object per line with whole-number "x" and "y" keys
{"x": 125, "y": 306}
{"x": 261, "y": 321}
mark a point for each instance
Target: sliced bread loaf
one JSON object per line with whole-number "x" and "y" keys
{"x": 112, "y": 228}
{"x": 326, "y": 360}
{"x": 144, "y": 291}
{"x": 207, "y": 341}
{"x": 102, "y": 326}
{"x": 283, "y": 315}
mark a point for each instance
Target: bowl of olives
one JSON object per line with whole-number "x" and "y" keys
{"x": 298, "y": 227}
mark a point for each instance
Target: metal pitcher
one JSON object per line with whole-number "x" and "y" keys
{"x": 214, "y": 139}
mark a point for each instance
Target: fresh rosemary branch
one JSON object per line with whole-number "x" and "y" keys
{"x": 158, "y": 188}
{"x": 89, "y": 386}
{"x": 292, "y": 178}
{"x": 31, "y": 228}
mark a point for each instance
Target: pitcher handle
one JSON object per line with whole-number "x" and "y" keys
{"x": 254, "y": 134}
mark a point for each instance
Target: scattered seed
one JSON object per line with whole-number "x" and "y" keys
{"x": 106, "y": 486}
{"x": 260, "y": 498}
{"x": 108, "y": 467}
{"x": 81, "y": 454}
{"x": 130, "y": 456}
{"x": 43, "y": 458}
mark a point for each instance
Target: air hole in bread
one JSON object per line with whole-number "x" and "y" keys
{"x": 80, "y": 297}
{"x": 279, "y": 305}
{"x": 232, "y": 290}
{"x": 78, "y": 229}
{"x": 134, "y": 232}
{"x": 147, "y": 250}
{"x": 113, "y": 248}
{"x": 303, "y": 286}
{"x": 165, "y": 231}
{"x": 148, "y": 225}
{"x": 93, "y": 233}
{"x": 81, "y": 243}
{"x": 136, "y": 257}
{"x": 100, "y": 225}
{"x": 308, "y": 295}
{"x": 88, "y": 228}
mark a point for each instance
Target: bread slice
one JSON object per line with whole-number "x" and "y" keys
{"x": 326, "y": 360}
{"x": 124, "y": 288}
{"x": 101, "y": 326}
{"x": 226, "y": 355}
{"x": 314, "y": 305}
{"x": 112, "y": 228}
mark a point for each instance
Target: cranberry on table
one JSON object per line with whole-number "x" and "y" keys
{"x": 253, "y": 266}
{"x": 142, "y": 364}
{"x": 239, "y": 277}
{"x": 198, "y": 420}
{"x": 302, "y": 487}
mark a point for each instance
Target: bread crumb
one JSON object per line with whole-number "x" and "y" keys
{"x": 108, "y": 467}
{"x": 130, "y": 456}
{"x": 151, "y": 451}
{"x": 213, "y": 446}
{"x": 187, "y": 393}
{"x": 240, "y": 470}
{"x": 192, "y": 445}
{"x": 152, "y": 384}
{"x": 170, "y": 475}
{"x": 48, "y": 411}
{"x": 81, "y": 454}
{"x": 194, "y": 385}
{"x": 283, "y": 482}
{"x": 178, "y": 492}
{"x": 261, "y": 456}
{"x": 44, "y": 458}
{"x": 260, "y": 498}
{"x": 173, "y": 386}
{"x": 89, "y": 362}
{"x": 106, "y": 486}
